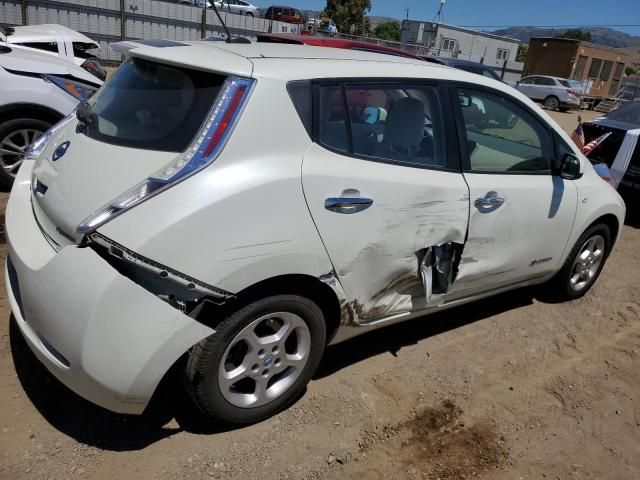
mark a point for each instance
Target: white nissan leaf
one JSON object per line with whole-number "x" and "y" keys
{"x": 232, "y": 209}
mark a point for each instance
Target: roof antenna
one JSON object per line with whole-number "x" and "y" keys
{"x": 229, "y": 39}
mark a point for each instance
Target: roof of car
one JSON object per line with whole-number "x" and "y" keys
{"x": 460, "y": 61}
{"x": 289, "y": 62}
{"x": 545, "y": 76}
{"x": 323, "y": 41}
{"x": 48, "y": 32}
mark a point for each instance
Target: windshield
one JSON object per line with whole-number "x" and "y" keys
{"x": 564, "y": 83}
{"x": 627, "y": 113}
{"x": 152, "y": 106}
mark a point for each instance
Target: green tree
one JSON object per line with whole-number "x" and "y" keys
{"x": 388, "y": 31}
{"x": 348, "y": 15}
{"x": 630, "y": 71}
{"x": 523, "y": 51}
{"x": 576, "y": 34}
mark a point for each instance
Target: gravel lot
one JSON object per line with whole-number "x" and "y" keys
{"x": 506, "y": 388}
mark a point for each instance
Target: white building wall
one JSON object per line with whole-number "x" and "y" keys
{"x": 475, "y": 47}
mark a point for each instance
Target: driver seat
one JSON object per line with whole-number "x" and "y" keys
{"x": 404, "y": 131}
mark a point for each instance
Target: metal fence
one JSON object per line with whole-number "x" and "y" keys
{"x": 107, "y": 21}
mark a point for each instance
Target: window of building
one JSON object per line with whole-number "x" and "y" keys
{"x": 449, "y": 44}
{"x": 606, "y": 70}
{"x": 503, "y": 54}
{"x": 594, "y": 70}
{"x": 582, "y": 63}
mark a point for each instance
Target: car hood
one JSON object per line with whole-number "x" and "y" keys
{"x": 26, "y": 61}
{"x": 608, "y": 122}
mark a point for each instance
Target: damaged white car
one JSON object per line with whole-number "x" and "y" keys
{"x": 232, "y": 209}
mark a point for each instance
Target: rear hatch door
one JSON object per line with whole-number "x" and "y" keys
{"x": 143, "y": 118}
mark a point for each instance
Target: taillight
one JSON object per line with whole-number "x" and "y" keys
{"x": 202, "y": 152}
{"x": 571, "y": 91}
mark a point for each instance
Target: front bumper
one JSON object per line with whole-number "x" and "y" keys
{"x": 106, "y": 338}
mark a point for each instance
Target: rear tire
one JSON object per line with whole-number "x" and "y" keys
{"x": 551, "y": 103}
{"x": 15, "y": 137}
{"x": 259, "y": 360}
{"x": 583, "y": 265}
{"x": 249, "y": 14}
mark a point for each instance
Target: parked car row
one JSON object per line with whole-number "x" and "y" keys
{"x": 422, "y": 187}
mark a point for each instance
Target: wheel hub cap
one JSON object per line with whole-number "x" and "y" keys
{"x": 13, "y": 148}
{"x": 587, "y": 263}
{"x": 264, "y": 359}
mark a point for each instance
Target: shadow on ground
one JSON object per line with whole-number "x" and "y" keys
{"x": 394, "y": 337}
{"x": 92, "y": 425}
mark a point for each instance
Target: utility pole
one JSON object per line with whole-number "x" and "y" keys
{"x": 407, "y": 12}
{"x": 440, "y": 14}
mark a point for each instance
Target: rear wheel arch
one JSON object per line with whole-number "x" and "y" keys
{"x": 306, "y": 286}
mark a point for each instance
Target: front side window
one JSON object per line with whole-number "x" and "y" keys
{"x": 502, "y": 137}
{"x": 152, "y": 106}
{"x": 398, "y": 124}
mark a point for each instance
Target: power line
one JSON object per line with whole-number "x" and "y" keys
{"x": 549, "y": 26}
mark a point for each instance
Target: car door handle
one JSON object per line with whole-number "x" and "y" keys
{"x": 347, "y": 205}
{"x": 490, "y": 202}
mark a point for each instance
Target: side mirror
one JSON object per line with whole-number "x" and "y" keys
{"x": 570, "y": 167}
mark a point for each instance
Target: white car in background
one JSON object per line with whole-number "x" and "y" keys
{"x": 240, "y": 7}
{"x": 228, "y": 210}
{"x": 54, "y": 40}
{"x": 36, "y": 91}
{"x": 554, "y": 93}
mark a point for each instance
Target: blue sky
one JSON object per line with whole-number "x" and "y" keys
{"x": 508, "y": 12}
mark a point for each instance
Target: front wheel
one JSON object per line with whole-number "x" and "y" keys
{"x": 583, "y": 265}
{"x": 259, "y": 360}
{"x": 249, "y": 14}
{"x": 15, "y": 137}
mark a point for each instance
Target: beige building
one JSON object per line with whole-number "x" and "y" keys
{"x": 598, "y": 67}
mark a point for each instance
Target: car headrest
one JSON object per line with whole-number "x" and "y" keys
{"x": 405, "y": 123}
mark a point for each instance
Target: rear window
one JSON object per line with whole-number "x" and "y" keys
{"x": 153, "y": 106}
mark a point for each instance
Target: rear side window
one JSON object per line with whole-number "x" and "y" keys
{"x": 80, "y": 50}
{"x": 46, "y": 46}
{"x": 392, "y": 123}
{"x": 153, "y": 106}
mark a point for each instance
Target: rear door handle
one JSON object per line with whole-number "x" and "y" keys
{"x": 347, "y": 205}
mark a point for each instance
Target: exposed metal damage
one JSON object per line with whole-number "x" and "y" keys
{"x": 434, "y": 270}
{"x": 186, "y": 294}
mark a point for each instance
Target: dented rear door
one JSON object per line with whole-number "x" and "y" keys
{"x": 387, "y": 198}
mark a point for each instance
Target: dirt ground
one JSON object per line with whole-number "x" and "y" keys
{"x": 507, "y": 388}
